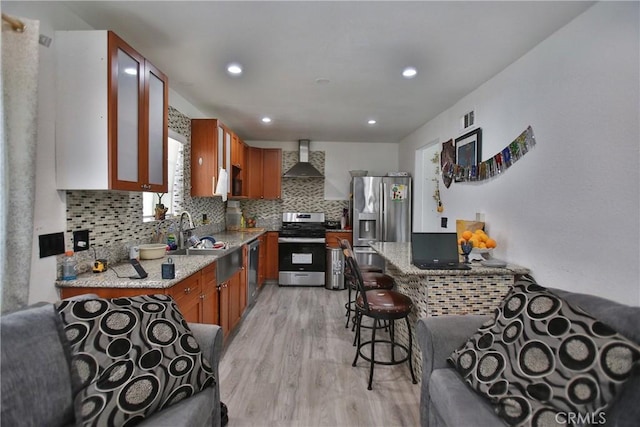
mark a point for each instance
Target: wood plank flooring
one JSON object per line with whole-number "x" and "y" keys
{"x": 289, "y": 364}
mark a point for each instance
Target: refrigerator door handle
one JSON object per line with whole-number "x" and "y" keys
{"x": 383, "y": 228}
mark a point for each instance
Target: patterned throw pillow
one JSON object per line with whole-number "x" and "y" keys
{"x": 130, "y": 357}
{"x": 541, "y": 359}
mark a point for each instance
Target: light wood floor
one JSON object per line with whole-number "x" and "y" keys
{"x": 289, "y": 364}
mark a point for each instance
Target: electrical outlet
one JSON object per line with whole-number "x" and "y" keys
{"x": 51, "y": 244}
{"x": 44, "y": 40}
{"x": 80, "y": 240}
{"x": 443, "y": 222}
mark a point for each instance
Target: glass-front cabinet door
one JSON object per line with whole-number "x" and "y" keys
{"x": 137, "y": 121}
{"x": 157, "y": 90}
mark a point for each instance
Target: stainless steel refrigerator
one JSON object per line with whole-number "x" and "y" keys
{"x": 380, "y": 211}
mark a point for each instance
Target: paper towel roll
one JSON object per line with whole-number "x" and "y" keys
{"x": 221, "y": 188}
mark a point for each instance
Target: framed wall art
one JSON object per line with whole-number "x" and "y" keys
{"x": 469, "y": 151}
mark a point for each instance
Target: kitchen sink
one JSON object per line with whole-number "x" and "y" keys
{"x": 197, "y": 251}
{"x": 228, "y": 263}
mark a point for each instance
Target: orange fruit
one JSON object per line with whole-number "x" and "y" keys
{"x": 466, "y": 235}
{"x": 491, "y": 243}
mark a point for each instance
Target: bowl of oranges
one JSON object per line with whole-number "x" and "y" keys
{"x": 481, "y": 242}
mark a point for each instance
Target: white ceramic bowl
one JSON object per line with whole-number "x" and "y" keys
{"x": 152, "y": 250}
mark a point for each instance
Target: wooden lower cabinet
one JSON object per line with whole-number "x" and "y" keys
{"x": 196, "y": 296}
{"x": 262, "y": 259}
{"x": 199, "y": 297}
{"x": 209, "y": 295}
{"x": 333, "y": 238}
{"x": 271, "y": 256}
{"x": 223, "y": 295}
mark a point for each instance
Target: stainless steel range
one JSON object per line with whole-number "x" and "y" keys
{"x": 301, "y": 249}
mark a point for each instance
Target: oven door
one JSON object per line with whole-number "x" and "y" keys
{"x": 301, "y": 261}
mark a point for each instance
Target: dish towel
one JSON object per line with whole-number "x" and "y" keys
{"x": 221, "y": 188}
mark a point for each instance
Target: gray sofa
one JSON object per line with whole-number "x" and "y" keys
{"x": 447, "y": 401}
{"x": 36, "y": 383}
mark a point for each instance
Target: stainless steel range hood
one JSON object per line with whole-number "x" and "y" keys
{"x": 303, "y": 169}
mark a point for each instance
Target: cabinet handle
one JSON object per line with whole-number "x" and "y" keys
{"x": 201, "y": 296}
{"x": 187, "y": 290}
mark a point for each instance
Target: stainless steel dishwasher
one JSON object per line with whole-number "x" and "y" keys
{"x": 252, "y": 282}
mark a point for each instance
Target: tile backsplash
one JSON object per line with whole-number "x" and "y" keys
{"x": 114, "y": 219}
{"x": 298, "y": 195}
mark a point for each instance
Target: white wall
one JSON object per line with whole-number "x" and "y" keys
{"x": 570, "y": 209}
{"x": 341, "y": 157}
{"x": 50, "y": 205}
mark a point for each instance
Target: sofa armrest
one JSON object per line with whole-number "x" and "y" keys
{"x": 209, "y": 338}
{"x": 438, "y": 337}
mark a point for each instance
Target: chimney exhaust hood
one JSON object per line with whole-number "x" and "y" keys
{"x": 303, "y": 169}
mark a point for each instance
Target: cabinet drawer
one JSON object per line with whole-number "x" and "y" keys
{"x": 187, "y": 290}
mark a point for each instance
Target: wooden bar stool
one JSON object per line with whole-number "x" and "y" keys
{"x": 373, "y": 278}
{"x": 380, "y": 305}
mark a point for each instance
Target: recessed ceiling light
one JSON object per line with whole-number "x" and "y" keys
{"x": 371, "y": 122}
{"x": 409, "y": 72}
{"x": 234, "y": 69}
{"x": 266, "y": 120}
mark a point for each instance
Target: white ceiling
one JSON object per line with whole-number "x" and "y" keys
{"x": 361, "y": 47}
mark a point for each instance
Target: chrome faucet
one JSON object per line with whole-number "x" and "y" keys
{"x": 181, "y": 230}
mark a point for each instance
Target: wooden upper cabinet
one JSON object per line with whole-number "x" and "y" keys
{"x": 111, "y": 115}
{"x": 204, "y": 156}
{"x": 254, "y": 173}
{"x": 264, "y": 173}
{"x": 272, "y": 173}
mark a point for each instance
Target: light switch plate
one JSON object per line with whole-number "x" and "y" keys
{"x": 51, "y": 244}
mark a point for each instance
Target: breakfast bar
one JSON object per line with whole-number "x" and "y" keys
{"x": 478, "y": 290}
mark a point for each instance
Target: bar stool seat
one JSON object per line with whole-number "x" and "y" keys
{"x": 369, "y": 268}
{"x": 392, "y": 305}
{"x": 380, "y": 305}
{"x": 374, "y": 278}
{"x": 376, "y": 281}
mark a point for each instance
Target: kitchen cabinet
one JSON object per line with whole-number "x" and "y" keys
{"x": 234, "y": 163}
{"x": 262, "y": 266}
{"x": 205, "y": 141}
{"x": 333, "y": 238}
{"x": 254, "y": 173}
{"x": 230, "y": 299}
{"x": 209, "y": 296}
{"x": 264, "y": 173}
{"x": 236, "y": 307}
{"x": 111, "y": 115}
{"x": 187, "y": 295}
{"x": 272, "y": 173}
{"x": 196, "y": 295}
{"x": 271, "y": 256}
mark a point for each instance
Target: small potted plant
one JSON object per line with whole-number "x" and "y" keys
{"x": 161, "y": 211}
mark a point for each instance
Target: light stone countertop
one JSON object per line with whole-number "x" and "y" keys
{"x": 399, "y": 254}
{"x": 186, "y": 265}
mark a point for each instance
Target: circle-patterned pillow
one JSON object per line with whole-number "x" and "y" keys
{"x": 130, "y": 357}
{"x": 539, "y": 358}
